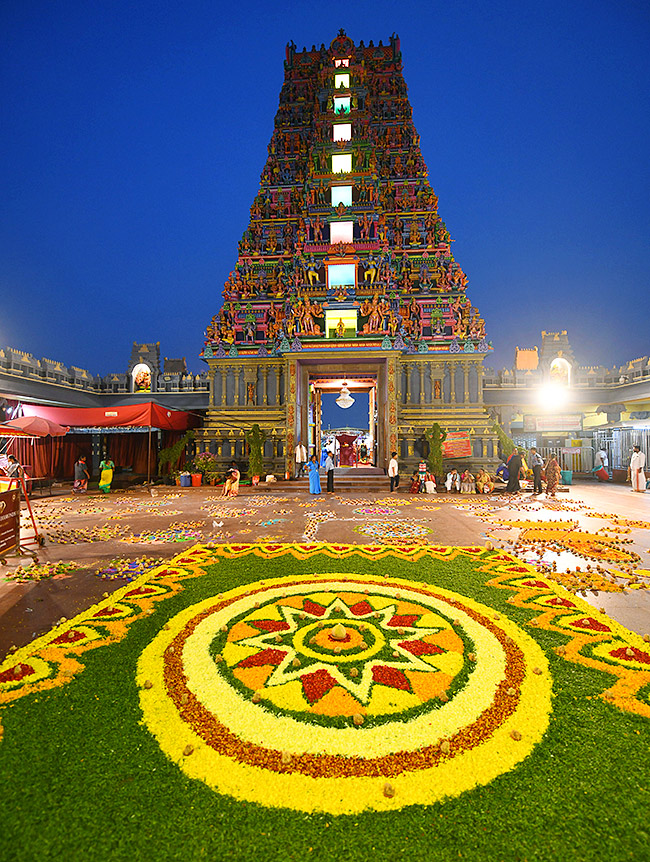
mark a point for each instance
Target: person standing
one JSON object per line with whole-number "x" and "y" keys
{"x": 329, "y": 469}
{"x": 553, "y": 475}
{"x": 514, "y": 469}
{"x": 81, "y": 476}
{"x": 314, "y": 477}
{"x": 301, "y": 459}
{"x": 536, "y": 462}
{"x": 393, "y": 471}
{"x": 106, "y": 469}
{"x": 636, "y": 470}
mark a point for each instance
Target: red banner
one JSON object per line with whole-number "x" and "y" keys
{"x": 9, "y": 520}
{"x": 457, "y": 445}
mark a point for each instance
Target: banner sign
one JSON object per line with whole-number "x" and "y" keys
{"x": 9, "y": 520}
{"x": 552, "y": 423}
{"x": 457, "y": 445}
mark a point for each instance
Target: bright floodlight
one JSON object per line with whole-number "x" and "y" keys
{"x": 552, "y": 396}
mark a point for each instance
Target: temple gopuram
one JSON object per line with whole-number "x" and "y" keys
{"x": 345, "y": 277}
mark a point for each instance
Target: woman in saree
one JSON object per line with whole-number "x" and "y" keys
{"x": 106, "y": 469}
{"x": 553, "y": 475}
{"x": 314, "y": 476}
{"x": 484, "y": 484}
{"x": 231, "y": 485}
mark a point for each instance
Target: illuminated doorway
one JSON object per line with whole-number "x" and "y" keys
{"x": 343, "y": 418}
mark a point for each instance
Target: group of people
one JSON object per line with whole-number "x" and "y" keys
{"x": 515, "y": 469}
{"x": 467, "y": 483}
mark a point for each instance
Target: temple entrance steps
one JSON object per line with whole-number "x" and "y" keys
{"x": 352, "y": 480}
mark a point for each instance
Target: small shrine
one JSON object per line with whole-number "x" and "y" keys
{"x": 344, "y": 273}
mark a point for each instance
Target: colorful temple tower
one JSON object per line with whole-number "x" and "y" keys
{"x": 345, "y": 276}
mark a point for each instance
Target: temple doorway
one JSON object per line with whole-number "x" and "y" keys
{"x": 343, "y": 418}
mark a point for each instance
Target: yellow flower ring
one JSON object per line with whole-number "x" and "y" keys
{"x": 447, "y": 694}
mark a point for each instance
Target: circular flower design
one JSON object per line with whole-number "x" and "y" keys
{"x": 348, "y": 680}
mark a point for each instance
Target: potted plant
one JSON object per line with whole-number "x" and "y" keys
{"x": 255, "y": 438}
{"x": 435, "y": 436}
{"x": 170, "y": 459}
{"x": 203, "y": 464}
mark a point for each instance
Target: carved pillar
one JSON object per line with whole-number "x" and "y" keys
{"x": 278, "y": 372}
{"x": 213, "y": 383}
{"x": 452, "y": 377}
{"x": 265, "y": 382}
{"x": 224, "y": 384}
{"x": 484, "y": 444}
{"x": 479, "y": 382}
{"x": 421, "y": 377}
{"x": 406, "y": 391}
{"x": 466, "y": 383}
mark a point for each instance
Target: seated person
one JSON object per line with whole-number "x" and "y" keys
{"x": 231, "y": 487}
{"x": 13, "y": 468}
{"x": 467, "y": 483}
{"x": 415, "y": 483}
{"x": 484, "y": 483}
{"x": 503, "y": 473}
{"x": 430, "y": 483}
{"x": 453, "y": 481}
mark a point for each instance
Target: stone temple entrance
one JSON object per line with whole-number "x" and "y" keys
{"x": 359, "y": 442}
{"x": 343, "y": 418}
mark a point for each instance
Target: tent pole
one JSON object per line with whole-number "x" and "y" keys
{"x": 149, "y": 458}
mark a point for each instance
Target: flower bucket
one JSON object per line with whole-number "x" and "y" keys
{"x": 255, "y": 480}
{"x": 185, "y": 481}
{"x": 196, "y": 479}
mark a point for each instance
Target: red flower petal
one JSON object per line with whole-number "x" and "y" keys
{"x": 271, "y": 625}
{"x": 391, "y": 677}
{"x": 421, "y": 648}
{"x": 317, "y": 684}
{"x": 316, "y": 610}
{"x": 639, "y": 655}
{"x": 403, "y": 619}
{"x": 361, "y": 608}
{"x": 16, "y": 673}
{"x": 591, "y": 623}
{"x": 266, "y": 656}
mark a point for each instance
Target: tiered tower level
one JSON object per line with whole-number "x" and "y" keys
{"x": 345, "y": 257}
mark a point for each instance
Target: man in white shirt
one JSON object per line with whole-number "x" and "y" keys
{"x": 601, "y": 459}
{"x": 453, "y": 481}
{"x": 637, "y": 475}
{"x": 393, "y": 471}
{"x": 329, "y": 469}
{"x": 301, "y": 459}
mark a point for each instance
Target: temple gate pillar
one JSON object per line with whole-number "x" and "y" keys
{"x": 265, "y": 382}
{"x": 224, "y": 383}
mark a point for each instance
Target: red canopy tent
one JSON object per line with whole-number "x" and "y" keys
{"x": 143, "y": 415}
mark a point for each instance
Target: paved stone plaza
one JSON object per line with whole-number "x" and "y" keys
{"x": 95, "y": 530}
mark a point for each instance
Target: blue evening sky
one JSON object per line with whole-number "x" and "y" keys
{"x": 134, "y": 134}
